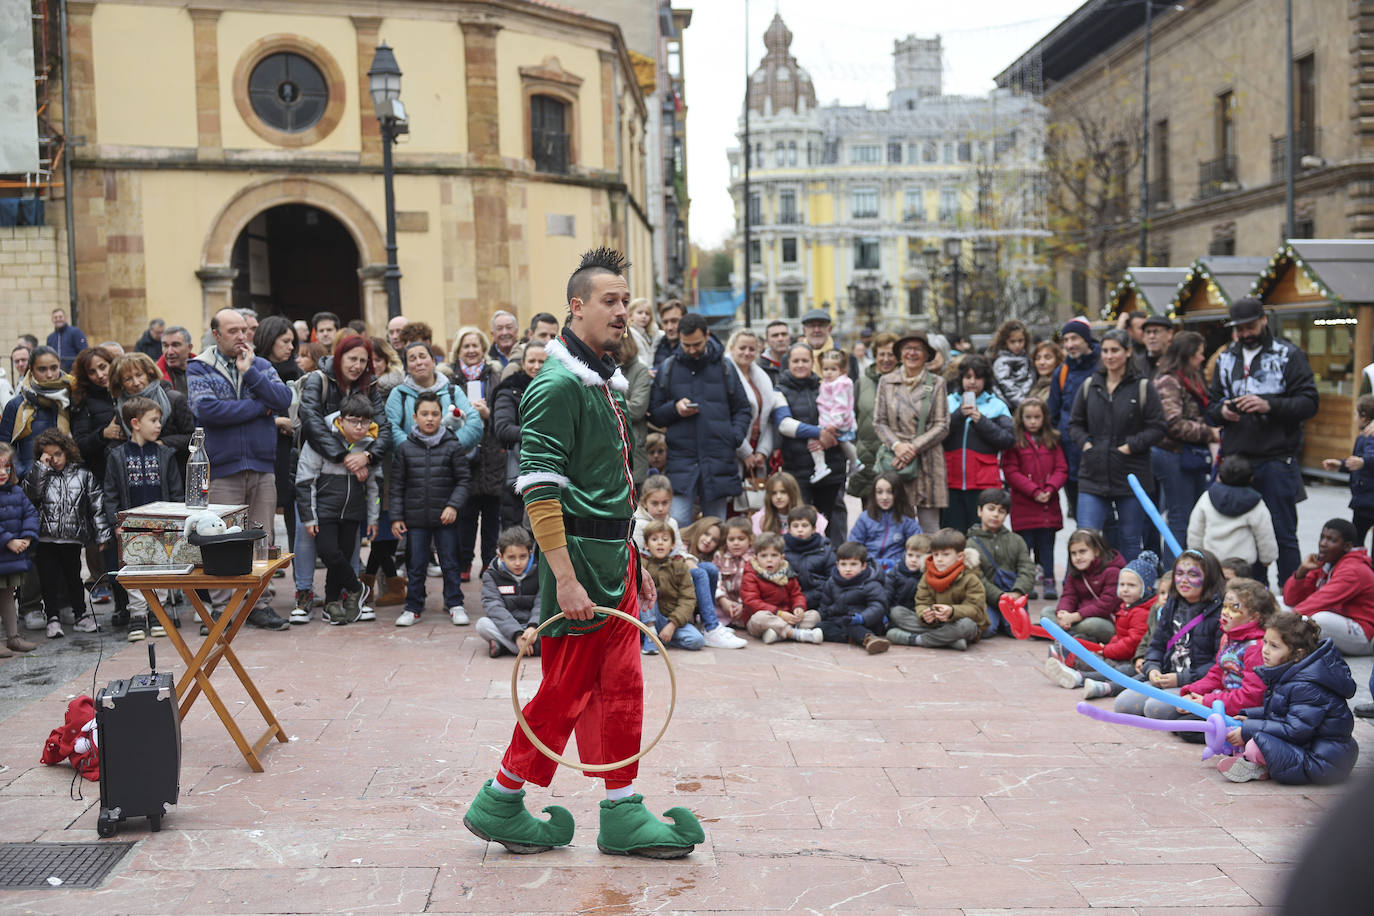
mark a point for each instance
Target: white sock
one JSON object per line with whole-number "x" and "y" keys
{"x": 622, "y": 792}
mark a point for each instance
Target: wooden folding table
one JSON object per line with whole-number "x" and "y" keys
{"x": 200, "y": 665}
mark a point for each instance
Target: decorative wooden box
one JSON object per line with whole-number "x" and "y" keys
{"x": 155, "y": 532}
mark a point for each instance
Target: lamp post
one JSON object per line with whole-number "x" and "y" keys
{"x": 384, "y": 84}
{"x": 953, "y": 253}
{"x": 866, "y": 294}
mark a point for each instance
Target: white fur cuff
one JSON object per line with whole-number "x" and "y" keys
{"x": 525, "y": 481}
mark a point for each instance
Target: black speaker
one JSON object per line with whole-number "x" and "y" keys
{"x": 139, "y": 733}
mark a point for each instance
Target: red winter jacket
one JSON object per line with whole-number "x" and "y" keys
{"x": 1093, "y": 594}
{"x": 1232, "y": 660}
{"x": 1348, "y": 590}
{"x": 758, "y": 594}
{"x": 1031, "y": 468}
{"x": 1131, "y": 624}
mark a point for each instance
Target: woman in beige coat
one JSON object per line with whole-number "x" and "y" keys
{"x": 911, "y": 417}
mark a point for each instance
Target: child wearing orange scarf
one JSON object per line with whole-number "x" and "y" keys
{"x": 950, "y": 609}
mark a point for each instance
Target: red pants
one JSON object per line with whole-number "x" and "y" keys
{"x": 592, "y": 684}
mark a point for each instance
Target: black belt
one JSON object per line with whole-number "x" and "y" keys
{"x": 601, "y": 529}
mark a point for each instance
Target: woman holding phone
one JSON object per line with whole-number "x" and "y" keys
{"x": 477, "y": 376}
{"x": 980, "y": 427}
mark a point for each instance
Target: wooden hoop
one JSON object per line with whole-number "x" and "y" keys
{"x": 595, "y": 767}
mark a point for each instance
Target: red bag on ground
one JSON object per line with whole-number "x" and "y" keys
{"x": 77, "y": 730}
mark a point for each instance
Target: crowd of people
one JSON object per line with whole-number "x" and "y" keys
{"x": 966, "y": 464}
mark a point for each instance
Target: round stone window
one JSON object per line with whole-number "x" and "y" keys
{"x": 288, "y": 92}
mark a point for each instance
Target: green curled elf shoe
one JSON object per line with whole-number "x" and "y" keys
{"x": 500, "y": 817}
{"x": 628, "y": 829}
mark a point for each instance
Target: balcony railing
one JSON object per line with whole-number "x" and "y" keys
{"x": 790, "y": 218}
{"x": 1307, "y": 145}
{"x": 914, "y": 216}
{"x": 1216, "y": 176}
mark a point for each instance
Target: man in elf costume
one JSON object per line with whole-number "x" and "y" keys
{"x": 576, "y": 483}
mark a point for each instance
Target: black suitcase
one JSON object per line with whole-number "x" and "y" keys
{"x": 139, "y": 733}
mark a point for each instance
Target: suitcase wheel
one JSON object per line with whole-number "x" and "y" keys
{"x": 106, "y": 825}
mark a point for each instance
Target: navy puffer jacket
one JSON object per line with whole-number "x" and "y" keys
{"x": 18, "y": 519}
{"x": 702, "y": 447}
{"x": 1305, "y": 729}
{"x": 801, "y": 395}
{"x": 863, "y": 595}
{"x": 901, "y": 585}
{"x": 812, "y": 560}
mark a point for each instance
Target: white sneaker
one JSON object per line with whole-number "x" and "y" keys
{"x": 156, "y": 630}
{"x": 86, "y": 624}
{"x": 366, "y": 613}
{"x": 136, "y": 634}
{"x": 299, "y": 615}
{"x": 722, "y": 638}
{"x": 55, "y": 629}
{"x": 820, "y": 473}
{"x": 1062, "y": 674}
{"x": 35, "y": 620}
{"x": 769, "y": 637}
{"x": 458, "y": 616}
{"x": 808, "y": 634}
{"x": 407, "y": 619}
{"x": 433, "y": 570}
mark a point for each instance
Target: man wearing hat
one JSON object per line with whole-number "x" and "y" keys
{"x": 1080, "y": 361}
{"x": 816, "y": 333}
{"x": 1261, "y": 392}
{"x": 1158, "y": 334}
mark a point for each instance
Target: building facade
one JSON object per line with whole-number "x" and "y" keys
{"x": 845, "y": 201}
{"x": 1216, "y": 155}
{"x": 228, "y": 153}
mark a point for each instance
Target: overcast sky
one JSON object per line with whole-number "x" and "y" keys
{"x": 847, "y": 49}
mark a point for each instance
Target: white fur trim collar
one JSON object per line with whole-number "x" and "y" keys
{"x": 585, "y": 374}
{"x": 528, "y": 480}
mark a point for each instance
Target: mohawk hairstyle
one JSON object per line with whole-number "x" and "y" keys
{"x": 596, "y": 261}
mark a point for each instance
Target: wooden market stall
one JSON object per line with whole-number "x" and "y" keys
{"x": 1147, "y": 289}
{"x": 1319, "y": 294}
{"x": 1203, "y": 297}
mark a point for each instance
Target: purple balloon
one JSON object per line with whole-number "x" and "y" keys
{"x": 1214, "y": 727}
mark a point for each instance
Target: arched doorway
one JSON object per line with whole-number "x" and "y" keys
{"x": 295, "y": 260}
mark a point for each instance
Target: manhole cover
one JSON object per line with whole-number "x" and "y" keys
{"x": 30, "y": 865}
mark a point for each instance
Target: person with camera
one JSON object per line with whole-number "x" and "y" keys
{"x": 1262, "y": 392}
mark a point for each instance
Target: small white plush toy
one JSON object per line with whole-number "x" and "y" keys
{"x": 208, "y": 523}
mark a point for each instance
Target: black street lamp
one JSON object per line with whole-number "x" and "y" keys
{"x": 384, "y": 84}
{"x": 953, "y": 246}
{"x": 866, "y": 294}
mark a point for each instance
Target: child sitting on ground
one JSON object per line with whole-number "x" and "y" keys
{"x": 774, "y": 606}
{"x": 903, "y": 578}
{"x": 1136, "y": 588}
{"x": 138, "y": 472}
{"x": 510, "y": 597}
{"x": 835, "y": 409}
{"x": 1089, "y": 602}
{"x": 1004, "y": 562}
{"x": 70, "y": 514}
{"x": 782, "y": 494}
{"x": 731, "y": 560}
{"x": 1304, "y": 733}
{"x": 1245, "y": 613}
{"x": 808, "y": 552}
{"x": 429, "y": 487}
{"x": 950, "y": 608}
{"x": 1183, "y": 646}
{"x": 853, "y": 601}
{"x": 656, "y": 451}
{"x": 656, "y": 505}
{"x": 672, "y": 615}
{"x": 1231, "y": 520}
{"x": 1235, "y": 568}
{"x": 885, "y": 524}
{"x": 332, "y": 506}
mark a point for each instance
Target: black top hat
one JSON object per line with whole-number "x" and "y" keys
{"x": 1246, "y": 310}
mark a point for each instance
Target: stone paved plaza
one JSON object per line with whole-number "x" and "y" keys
{"x": 826, "y": 779}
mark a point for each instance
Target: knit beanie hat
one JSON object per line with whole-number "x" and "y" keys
{"x": 1146, "y": 566}
{"x": 1080, "y": 327}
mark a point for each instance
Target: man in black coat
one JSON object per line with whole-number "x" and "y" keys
{"x": 1262, "y": 392}
{"x": 700, "y": 403}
